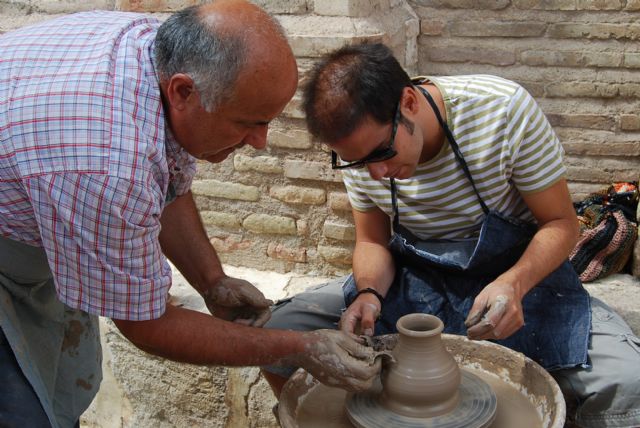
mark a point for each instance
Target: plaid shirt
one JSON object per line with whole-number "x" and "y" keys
{"x": 86, "y": 159}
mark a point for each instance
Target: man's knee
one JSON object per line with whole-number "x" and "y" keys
{"x": 608, "y": 393}
{"x": 616, "y": 404}
{"x": 318, "y": 307}
{"x": 315, "y": 308}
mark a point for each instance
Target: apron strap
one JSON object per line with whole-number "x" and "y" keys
{"x": 454, "y": 146}
{"x": 394, "y": 204}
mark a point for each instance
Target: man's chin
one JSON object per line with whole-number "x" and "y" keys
{"x": 404, "y": 173}
{"x": 218, "y": 157}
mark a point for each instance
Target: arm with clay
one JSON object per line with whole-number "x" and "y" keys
{"x": 535, "y": 155}
{"x": 184, "y": 241}
{"x": 497, "y": 311}
{"x": 373, "y": 267}
{"x": 333, "y": 357}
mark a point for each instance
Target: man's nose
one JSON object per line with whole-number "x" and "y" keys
{"x": 377, "y": 170}
{"x": 257, "y": 138}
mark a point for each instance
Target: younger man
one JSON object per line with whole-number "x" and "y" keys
{"x": 462, "y": 210}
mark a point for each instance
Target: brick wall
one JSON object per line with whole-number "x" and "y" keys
{"x": 579, "y": 58}
{"x": 284, "y": 209}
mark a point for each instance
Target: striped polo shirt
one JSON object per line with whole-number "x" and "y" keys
{"x": 505, "y": 139}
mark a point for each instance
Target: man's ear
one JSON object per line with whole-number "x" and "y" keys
{"x": 181, "y": 91}
{"x": 409, "y": 101}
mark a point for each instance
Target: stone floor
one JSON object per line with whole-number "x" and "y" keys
{"x": 140, "y": 390}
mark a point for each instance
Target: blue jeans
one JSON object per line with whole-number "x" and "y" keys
{"x": 19, "y": 404}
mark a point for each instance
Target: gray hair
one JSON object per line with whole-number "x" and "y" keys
{"x": 213, "y": 59}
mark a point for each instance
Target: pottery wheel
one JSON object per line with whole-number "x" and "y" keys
{"x": 476, "y": 409}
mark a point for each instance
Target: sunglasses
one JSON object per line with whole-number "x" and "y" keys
{"x": 377, "y": 155}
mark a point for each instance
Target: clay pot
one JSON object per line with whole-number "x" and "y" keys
{"x": 424, "y": 380}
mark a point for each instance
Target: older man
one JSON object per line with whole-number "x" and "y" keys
{"x": 102, "y": 116}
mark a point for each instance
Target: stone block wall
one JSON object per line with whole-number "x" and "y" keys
{"x": 284, "y": 209}
{"x": 579, "y": 58}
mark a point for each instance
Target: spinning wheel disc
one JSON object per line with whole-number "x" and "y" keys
{"x": 476, "y": 409}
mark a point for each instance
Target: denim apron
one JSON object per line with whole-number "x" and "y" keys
{"x": 57, "y": 348}
{"x": 443, "y": 277}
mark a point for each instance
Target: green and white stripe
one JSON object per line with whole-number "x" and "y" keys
{"x": 505, "y": 139}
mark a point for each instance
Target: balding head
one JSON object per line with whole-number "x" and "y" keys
{"x": 242, "y": 18}
{"x": 220, "y": 43}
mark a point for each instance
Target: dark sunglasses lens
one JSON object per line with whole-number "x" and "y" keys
{"x": 377, "y": 156}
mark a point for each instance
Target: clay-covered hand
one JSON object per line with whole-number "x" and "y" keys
{"x": 360, "y": 317}
{"x": 237, "y": 300}
{"x": 496, "y": 312}
{"x": 339, "y": 359}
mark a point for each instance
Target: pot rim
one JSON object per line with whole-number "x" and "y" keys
{"x": 419, "y": 325}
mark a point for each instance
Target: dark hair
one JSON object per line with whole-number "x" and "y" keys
{"x": 350, "y": 84}
{"x": 213, "y": 59}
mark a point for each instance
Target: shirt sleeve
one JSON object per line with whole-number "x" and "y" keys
{"x": 356, "y": 185}
{"x": 536, "y": 152}
{"x": 100, "y": 233}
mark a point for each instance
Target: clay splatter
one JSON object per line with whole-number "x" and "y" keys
{"x": 72, "y": 335}
{"x": 83, "y": 384}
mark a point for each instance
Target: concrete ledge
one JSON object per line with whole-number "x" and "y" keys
{"x": 140, "y": 390}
